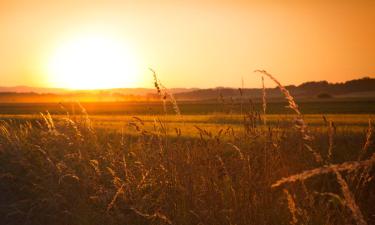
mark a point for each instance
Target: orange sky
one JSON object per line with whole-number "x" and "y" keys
{"x": 195, "y": 43}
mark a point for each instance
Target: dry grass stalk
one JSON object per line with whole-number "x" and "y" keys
{"x": 49, "y": 121}
{"x": 292, "y": 104}
{"x": 223, "y": 172}
{"x": 119, "y": 191}
{"x": 156, "y": 216}
{"x": 349, "y": 200}
{"x": 264, "y": 103}
{"x": 330, "y": 140}
{"x": 292, "y": 207}
{"x": 125, "y": 167}
{"x": 165, "y": 94}
{"x": 158, "y": 89}
{"x": 368, "y": 140}
{"x": 4, "y": 132}
{"x": 86, "y": 117}
{"x": 348, "y": 197}
{"x": 241, "y": 94}
{"x": 156, "y": 81}
{"x": 347, "y": 166}
{"x": 332, "y": 195}
{"x": 317, "y": 156}
{"x": 238, "y": 150}
{"x": 300, "y": 123}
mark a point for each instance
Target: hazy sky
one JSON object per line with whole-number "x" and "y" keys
{"x": 197, "y": 43}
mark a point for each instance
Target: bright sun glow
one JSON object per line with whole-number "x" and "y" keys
{"x": 93, "y": 62}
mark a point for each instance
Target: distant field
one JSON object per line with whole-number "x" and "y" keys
{"x": 307, "y": 106}
{"x": 189, "y": 124}
{"x": 213, "y": 116}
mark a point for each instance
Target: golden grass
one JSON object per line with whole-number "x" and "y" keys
{"x": 292, "y": 207}
{"x": 207, "y": 169}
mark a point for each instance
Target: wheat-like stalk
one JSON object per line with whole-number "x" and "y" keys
{"x": 119, "y": 191}
{"x": 368, "y": 140}
{"x": 349, "y": 199}
{"x": 86, "y": 117}
{"x": 264, "y": 102}
{"x": 346, "y": 166}
{"x": 300, "y": 123}
{"x": 238, "y": 150}
{"x": 241, "y": 89}
{"x": 4, "y": 132}
{"x": 331, "y": 195}
{"x": 292, "y": 207}
{"x": 292, "y": 104}
{"x": 330, "y": 140}
{"x": 158, "y": 89}
{"x": 49, "y": 122}
{"x": 156, "y": 216}
{"x": 164, "y": 94}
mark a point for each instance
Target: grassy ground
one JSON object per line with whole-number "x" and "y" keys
{"x": 190, "y": 169}
{"x": 276, "y": 106}
{"x": 220, "y": 162}
{"x": 190, "y": 124}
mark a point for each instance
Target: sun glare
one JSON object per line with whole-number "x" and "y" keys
{"x": 93, "y": 62}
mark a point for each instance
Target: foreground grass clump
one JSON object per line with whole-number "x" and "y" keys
{"x": 67, "y": 172}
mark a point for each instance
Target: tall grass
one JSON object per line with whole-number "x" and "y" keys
{"x": 67, "y": 171}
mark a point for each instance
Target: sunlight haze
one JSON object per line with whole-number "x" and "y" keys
{"x": 188, "y": 43}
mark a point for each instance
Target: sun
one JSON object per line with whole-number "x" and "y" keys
{"x": 93, "y": 62}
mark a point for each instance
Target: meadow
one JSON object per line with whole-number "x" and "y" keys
{"x": 275, "y": 106}
{"x": 212, "y": 163}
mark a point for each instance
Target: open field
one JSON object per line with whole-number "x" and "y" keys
{"x": 276, "y": 106}
{"x": 188, "y": 124}
{"x": 216, "y": 167}
{"x": 188, "y": 163}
